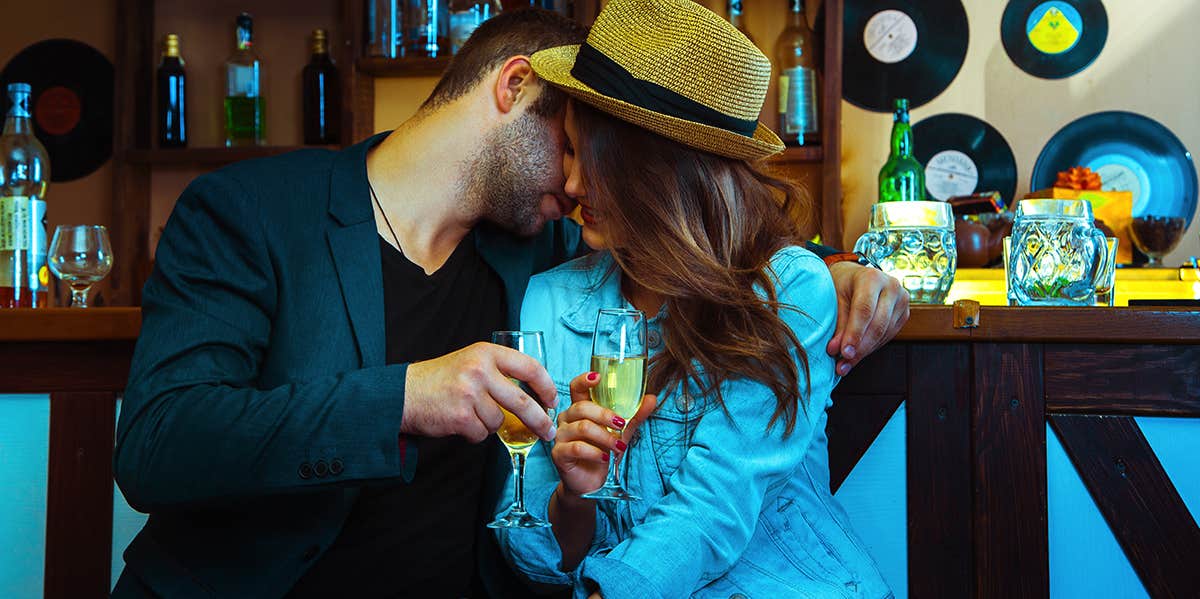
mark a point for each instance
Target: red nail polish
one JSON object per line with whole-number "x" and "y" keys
{"x": 606, "y": 457}
{"x": 592, "y": 377}
{"x": 621, "y": 446}
{"x": 618, "y": 422}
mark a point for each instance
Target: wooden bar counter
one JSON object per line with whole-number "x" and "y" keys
{"x": 978, "y": 400}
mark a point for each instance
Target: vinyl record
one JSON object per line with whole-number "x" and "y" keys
{"x": 963, "y": 155}
{"x": 1053, "y": 39}
{"x": 901, "y": 49}
{"x": 1130, "y": 152}
{"x": 72, "y": 103}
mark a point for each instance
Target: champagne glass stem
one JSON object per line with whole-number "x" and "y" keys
{"x": 79, "y": 297}
{"x": 518, "y": 464}
{"x": 611, "y": 480}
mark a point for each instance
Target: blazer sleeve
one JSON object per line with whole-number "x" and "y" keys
{"x": 735, "y": 465}
{"x": 194, "y": 426}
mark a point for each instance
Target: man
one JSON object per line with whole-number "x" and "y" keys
{"x": 308, "y": 398}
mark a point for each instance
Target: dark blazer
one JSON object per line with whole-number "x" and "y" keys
{"x": 258, "y": 400}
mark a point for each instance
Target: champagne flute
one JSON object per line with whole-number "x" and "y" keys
{"x": 619, "y": 357}
{"x": 516, "y": 436}
{"x": 80, "y": 256}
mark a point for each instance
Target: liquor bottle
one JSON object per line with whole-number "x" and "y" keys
{"x": 738, "y": 21}
{"x": 426, "y": 28}
{"x": 901, "y": 179}
{"x": 245, "y": 118}
{"x": 322, "y": 94}
{"x": 466, "y": 16}
{"x": 172, "y": 101}
{"x": 24, "y": 173}
{"x": 797, "y": 56}
{"x": 384, "y": 30}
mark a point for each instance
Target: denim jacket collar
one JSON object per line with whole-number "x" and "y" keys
{"x": 602, "y": 289}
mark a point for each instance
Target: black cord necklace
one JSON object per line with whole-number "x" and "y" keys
{"x": 385, "y": 218}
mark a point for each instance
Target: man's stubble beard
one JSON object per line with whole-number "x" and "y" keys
{"x": 511, "y": 172}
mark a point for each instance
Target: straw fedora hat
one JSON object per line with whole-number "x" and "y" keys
{"x": 673, "y": 67}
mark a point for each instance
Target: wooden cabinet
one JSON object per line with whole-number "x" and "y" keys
{"x": 283, "y": 26}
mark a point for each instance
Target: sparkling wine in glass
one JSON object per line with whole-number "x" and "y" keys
{"x": 516, "y": 436}
{"x": 619, "y": 357}
{"x": 80, "y": 256}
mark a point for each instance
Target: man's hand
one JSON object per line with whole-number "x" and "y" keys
{"x": 461, "y": 393}
{"x": 585, "y": 444}
{"x": 872, "y": 307}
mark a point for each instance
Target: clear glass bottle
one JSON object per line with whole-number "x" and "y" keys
{"x": 172, "y": 101}
{"x": 385, "y": 25}
{"x": 902, "y": 179}
{"x": 24, "y": 175}
{"x": 737, "y": 19}
{"x": 426, "y": 28}
{"x": 466, "y": 16}
{"x": 322, "y": 94}
{"x": 797, "y": 56}
{"x": 245, "y": 110}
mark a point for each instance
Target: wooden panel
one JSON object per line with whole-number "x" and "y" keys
{"x": 1011, "y": 548}
{"x": 1138, "y": 500}
{"x": 831, "y": 125}
{"x": 79, "y": 495}
{"x": 130, "y": 215}
{"x": 938, "y": 414}
{"x": 1035, "y": 325}
{"x": 378, "y": 66}
{"x": 357, "y": 87}
{"x": 69, "y": 324}
{"x": 854, "y": 422}
{"x": 1124, "y": 379}
{"x": 44, "y": 367}
{"x": 881, "y": 373}
{"x": 798, "y": 155}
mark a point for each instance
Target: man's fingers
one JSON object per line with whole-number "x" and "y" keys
{"x": 524, "y": 368}
{"x": 525, "y": 408}
{"x": 861, "y": 311}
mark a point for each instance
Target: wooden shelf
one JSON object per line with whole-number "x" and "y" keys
{"x": 800, "y": 155}
{"x": 378, "y": 66}
{"x": 70, "y": 324}
{"x": 206, "y": 157}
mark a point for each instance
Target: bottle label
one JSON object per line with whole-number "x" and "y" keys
{"x": 799, "y": 97}
{"x": 242, "y": 80}
{"x": 890, "y": 36}
{"x": 21, "y": 224}
{"x": 1054, "y": 27}
{"x": 951, "y": 173}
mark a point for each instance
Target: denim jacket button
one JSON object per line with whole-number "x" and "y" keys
{"x": 683, "y": 402}
{"x": 654, "y": 338}
{"x": 737, "y": 596}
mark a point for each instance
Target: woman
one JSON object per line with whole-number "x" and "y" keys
{"x": 731, "y": 461}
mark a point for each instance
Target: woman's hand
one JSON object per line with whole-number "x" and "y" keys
{"x": 582, "y": 449}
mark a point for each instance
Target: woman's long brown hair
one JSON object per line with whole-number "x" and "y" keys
{"x": 700, "y": 230}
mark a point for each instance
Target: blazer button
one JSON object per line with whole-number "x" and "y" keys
{"x": 320, "y": 468}
{"x": 311, "y": 552}
{"x": 336, "y": 467}
{"x": 305, "y": 471}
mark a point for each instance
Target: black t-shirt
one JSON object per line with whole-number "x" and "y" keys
{"x": 418, "y": 539}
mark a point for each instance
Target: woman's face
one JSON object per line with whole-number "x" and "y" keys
{"x": 576, "y": 187}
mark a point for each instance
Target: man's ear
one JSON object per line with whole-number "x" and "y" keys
{"x": 514, "y": 84}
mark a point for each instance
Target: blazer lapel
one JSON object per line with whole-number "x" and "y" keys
{"x": 354, "y": 246}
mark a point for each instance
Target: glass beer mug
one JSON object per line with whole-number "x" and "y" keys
{"x": 1057, "y": 256}
{"x": 914, "y": 243}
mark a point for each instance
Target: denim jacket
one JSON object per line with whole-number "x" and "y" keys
{"x": 729, "y": 508}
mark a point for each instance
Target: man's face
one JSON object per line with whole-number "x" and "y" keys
{"x": 518, "y": 174}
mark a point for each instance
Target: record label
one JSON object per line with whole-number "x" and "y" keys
{"x": 57, "y": 110}
{"x": 890, "y": 36}
{"x": 950, "y": 173}
{"x": 1115, "y": 176}
{"x": 1054, "y": 27}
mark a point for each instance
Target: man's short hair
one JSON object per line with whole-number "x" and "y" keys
{"x": 510, "y": 33}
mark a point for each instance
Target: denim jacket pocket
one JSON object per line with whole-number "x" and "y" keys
{"x": 671, "y": 428}
{"x": 802, "y": 544}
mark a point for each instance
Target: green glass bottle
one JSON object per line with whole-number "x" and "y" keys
{"x": 902, "y": 178}
{"x": 245, "y": 121}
